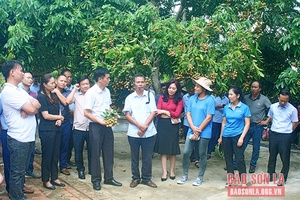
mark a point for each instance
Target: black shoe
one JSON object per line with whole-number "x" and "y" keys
{"x": 52, "y": 187}
{"x": 96, "y": 186}
{"x": 251, "y": 169}
{"x": 164, "y": 179}
{"x": 172, "y": 177}
{"x": 81, "y": 175}
{"x": 113, "y": 182}
{"x": 58, "y": 184}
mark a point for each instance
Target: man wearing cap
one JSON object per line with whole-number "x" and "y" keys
{"x": 199, "y": 116}
{"x": 258, "y": 104}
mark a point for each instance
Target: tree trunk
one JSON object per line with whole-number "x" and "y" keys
{"x": 181, "y": 9}
{"x": 155, "y": 77}
{"x": 184, "y": 15}
{"x": 154, "y": 2}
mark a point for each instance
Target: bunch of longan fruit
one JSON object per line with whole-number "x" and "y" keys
{"x": 110, "y": 117}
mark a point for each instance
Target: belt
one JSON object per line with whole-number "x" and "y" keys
{"x": 86, "y": 130}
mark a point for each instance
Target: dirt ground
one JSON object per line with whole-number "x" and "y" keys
{"x": 212, "y": 187}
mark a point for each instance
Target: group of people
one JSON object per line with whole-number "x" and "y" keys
{"x": 242, "y": 118}
{"x": 210, "y": 120}
{"x": 64, "y": 108}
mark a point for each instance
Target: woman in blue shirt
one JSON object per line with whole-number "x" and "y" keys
{"x": 199, "y": 115}
{"x": 235, "y": 125}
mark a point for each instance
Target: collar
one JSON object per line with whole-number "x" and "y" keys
{"x": 98, "y": 89}
{"x": 238, "y": 105}
{"x": 279, "y": 106}
{"x": 70, "y": 88}
{"x": 63, "y": 90}
{"x": 11, "y": 85}
{"x": 250, "y": 97}
{"x": 80, "y": 93}
{"x": 144, "y": 94}
{"x": 28, "y": 91}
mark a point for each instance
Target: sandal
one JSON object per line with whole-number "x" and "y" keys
{"x": 197, "y": 163}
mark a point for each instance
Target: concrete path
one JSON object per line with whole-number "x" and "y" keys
{"x": 212, "y": 188}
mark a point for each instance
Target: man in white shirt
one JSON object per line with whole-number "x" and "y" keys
{"x": 284, "y": 121}
{"x": 19, "y": 111}
{"x": 140, "y": 110}
{"x": 97, "y": 99}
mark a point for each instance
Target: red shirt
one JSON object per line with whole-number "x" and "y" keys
{"x": 174, "y": 109}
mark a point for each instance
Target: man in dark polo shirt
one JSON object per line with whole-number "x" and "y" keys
{"x": 259, "y": 105}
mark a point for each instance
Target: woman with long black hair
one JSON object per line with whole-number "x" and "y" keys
{"x": 235, "y": 125}
{"x": 169, "y": 108}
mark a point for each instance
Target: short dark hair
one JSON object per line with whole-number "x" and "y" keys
{"x": 82, "y": 78}
{"x": 285, "y": 92}
{"x": 163, "y": 85}
{"x": 28, "y": 72}
{"x": 66, "y": 70}
{"x": 9, "y": 65}
{"x": 259, "y": 85}
{"x": 60, "y": 76}
{"x": 138, "y": 75}
{"x": 100, "y": 73}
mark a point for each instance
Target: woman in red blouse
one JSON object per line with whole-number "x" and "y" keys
{"x": 169, "y": 108}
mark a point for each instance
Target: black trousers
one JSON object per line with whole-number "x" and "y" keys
{"x": 101, "y": 140}
{"x": 279, "y": 143}
{"x": 50, "y": 141}
{"x": 79, "y": 138}
{"x": 230, "y": 148}
{"x": 71, "y": 146}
